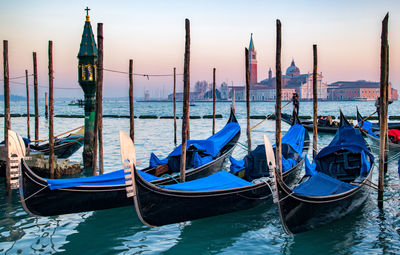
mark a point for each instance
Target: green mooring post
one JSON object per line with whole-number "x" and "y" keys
{"x": 87, "y": 80}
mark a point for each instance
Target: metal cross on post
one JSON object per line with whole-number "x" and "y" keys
{"x": 87, "y": 11}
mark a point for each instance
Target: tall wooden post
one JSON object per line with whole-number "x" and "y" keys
{"x": 98, "y": 119}
{"x": 51, "y": 131}
{"x": 278, "y": 141}
{"x": 214, "y": 98}
{"x": 46, "y": 106}
{"x": 28, "y": 122}
{"x": 383, "y": 107}
{"x": 186, "y": 93}
{"x": 233, "y": 99}
{"x": 36, "y": 96}
{"x": 246, "y": 53}
{"x": 315, "y": 102}
{"x": 175, "y": 106}
{"x": 7, "y": 118}
{"x": 131, "y": 102}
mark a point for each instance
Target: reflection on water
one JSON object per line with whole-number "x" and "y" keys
{"x": 256, "y": 231}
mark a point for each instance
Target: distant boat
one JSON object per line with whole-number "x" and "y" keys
{"x": 78, "y": 102}
{"x": 192, "y": 104}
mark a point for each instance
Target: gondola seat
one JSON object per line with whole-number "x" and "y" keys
{"x": 321, "y": 184}
{"x": 343, "y": 165}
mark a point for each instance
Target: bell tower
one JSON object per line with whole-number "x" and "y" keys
{"x": 253, "y": 62}
{"x": 87, "y": 60}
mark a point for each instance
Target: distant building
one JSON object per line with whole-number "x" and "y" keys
{"x": 293, "y": 81}
{"x": 358, "y": 90}
{"x": 224, "y": 91}
{"x": 253, "y": 62}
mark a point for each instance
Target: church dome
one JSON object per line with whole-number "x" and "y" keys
{"x": 292, "y": 70}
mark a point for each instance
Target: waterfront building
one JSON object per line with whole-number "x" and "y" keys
{"x": 358, "y": 90}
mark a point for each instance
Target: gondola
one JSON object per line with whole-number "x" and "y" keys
{"x": 336, "y": 184}
{"x": 367, "y": 130}
{"x": 48, "y": 197}
{"x": 220, "y": 193}
{"x": 64, "y": 147}
{"x": 309, "y": 125}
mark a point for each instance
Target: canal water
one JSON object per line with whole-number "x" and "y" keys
{"x": 255, "y": 231}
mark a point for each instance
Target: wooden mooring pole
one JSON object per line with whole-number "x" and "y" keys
{"x": 233, "y": 100}
{"x": 46, "y": 106}
{"x": 186, "y": 93}
{"x": 278, "y": 142}
{"x": 384, "y": 76}
{"x": 131, "y": 103}
{"x": 51, "y": 130}
{"x": 213, "y": 126}
{"x": 246, "y": 53}
{"x": 28, "y": 122}
{"x": 315, "y": 102}
{"x": 7, "y": 118}
{"x": 175, "y": 106}
{"x": 98, "y": 122}
{"x": 36, "y": 95}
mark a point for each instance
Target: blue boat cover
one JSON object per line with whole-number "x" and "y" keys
{"x": 214, "y": 143}
{"x": 155, "y": 161}
{"x": 236, "y": 165}
{"x": 321, "y": 184}
{"x": 218, "y": 181}
{"x": 368, "y": 127}
{"x": 294, "y": 137}
{"x": 113, "y": 178}
{"x": 349, "y": 138}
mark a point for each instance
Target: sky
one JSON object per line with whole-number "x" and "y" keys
{"x": 347, "y": 34}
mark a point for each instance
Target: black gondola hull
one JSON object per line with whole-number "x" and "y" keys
{"x": 309, "y": 126}
{"x": 157, "y": 206}
{"x": 300, "y": 214}
{"x": 38, "y": 199}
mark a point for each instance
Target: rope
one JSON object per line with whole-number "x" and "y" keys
{"x": 35, "y": 193}
{"x": 31, "y": 85}
{"x": 18, "y": 77}
{"x": 36, "y": 141}
{"x": 168, "y": 175}
{"x": 269, "y": 116}
{"x": 244, "y": 147}
{"x": 140, "y": 74}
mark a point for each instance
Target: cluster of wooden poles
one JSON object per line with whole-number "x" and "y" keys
{"x": 186, "y": 92}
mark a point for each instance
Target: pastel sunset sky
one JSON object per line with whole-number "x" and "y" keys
{"x": 152, "y": 34}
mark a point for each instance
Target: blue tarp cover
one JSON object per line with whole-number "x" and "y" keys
{"x": 349, "y": 138}
{"x": 214, "y": 143}
{"x": 368, "y": 126}
{"x": 321, "y": 184}
{"x": 113, "y": 178}
{"x": 218, "y": 181}
{"x": 155, "y": 161}
{"x": 294, "y": 137}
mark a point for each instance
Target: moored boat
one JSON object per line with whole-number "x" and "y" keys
{"x": 309, "y": 125}
{"x": 217, "y": 194}
{"x": 335, "y": 185}
{"x": 366, "y": 128}
{"x": 48, "y": 197}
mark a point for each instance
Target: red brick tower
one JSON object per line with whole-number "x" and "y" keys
{"x": 253, "y": 62}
